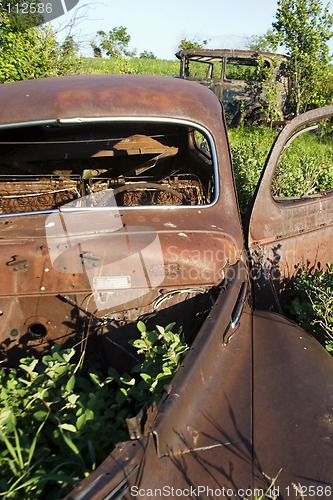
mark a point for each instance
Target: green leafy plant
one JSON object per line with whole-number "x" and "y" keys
{"x": 114, "y": 43}
{"x": 312, "y": 303}
{"x": 249, "y": 149}
{"x": 302, "y": 29}
{"x": 272, "y": 110}
{"x": 58, "y": 421}
{"x": 270, "y": 491}
{"x": 33, "y": 52}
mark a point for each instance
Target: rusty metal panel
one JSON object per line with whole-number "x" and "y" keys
{"x": 80, "y": 259}
{"x": 292, "y": 405}
{"x": 99, "y": 96}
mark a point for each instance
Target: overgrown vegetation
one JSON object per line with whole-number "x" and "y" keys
{"x": 59, "y": 420}
{"x": 302, "y": 29}
{"x": 249, "y": 149}
{"x": 306, "y": 167}
{"x": 134, "y": 65}
{"x": 33, "y": 52}
{"x": 113, "y": 44}
{"x": 312, "y": 303}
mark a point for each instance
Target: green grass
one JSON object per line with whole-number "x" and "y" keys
{"x": 249, "y": 149}
{"x": 158, "y": 67}
{"x": 305, "y": 168}
{"x": 311, "y": 303}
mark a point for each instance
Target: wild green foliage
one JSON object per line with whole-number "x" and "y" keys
{"x": 147, "y": 55}
{"x": 265, "y": 42}
{"x": 266, "y": 74}
{"x": 58, "y": 421}
{"x": 304, "y": 169}
{"x": 249, "y": 149}
{"x": 312, "y": 303}
{"x": 306, "y": 166}
{"x": 113, "y": 44}
{"x": 302, "y": 29}
{"x": 33, "y": 52}
{"x": 192, "y": 43}
{"x": 142, "y": 66}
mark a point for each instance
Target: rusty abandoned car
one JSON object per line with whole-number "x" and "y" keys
{"x": 239, "y": 78}
{"x": 118, "y": 204}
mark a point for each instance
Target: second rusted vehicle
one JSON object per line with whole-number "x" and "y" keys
{"x": 118, "y": 204}
{"x": 240, "y": 79}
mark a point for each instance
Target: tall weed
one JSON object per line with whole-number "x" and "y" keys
{"x": 311, "y": 303}
{"x": 58, "y": 423}
{"x": 158, "y": 67}
{"x": 249, "y": 149}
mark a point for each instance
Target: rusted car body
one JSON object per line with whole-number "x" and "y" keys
{"x": 118, "y": 204}
{"x": 238, "y": 82}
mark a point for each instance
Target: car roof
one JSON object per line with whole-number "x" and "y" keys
{"x": 207, "y": 54}
{"x": 101, "y": 96}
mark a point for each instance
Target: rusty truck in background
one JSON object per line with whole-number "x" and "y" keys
{"x": 239, "y": 78}
{"x": 118, "y": 205}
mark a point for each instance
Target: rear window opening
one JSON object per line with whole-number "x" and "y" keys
{"x": 45, "y": 167}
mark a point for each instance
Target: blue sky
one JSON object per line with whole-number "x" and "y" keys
{"x": 158, "y": 26}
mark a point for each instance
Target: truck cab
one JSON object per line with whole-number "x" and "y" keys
{"x": 240, "y": 79}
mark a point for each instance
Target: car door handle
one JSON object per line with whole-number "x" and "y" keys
{"x": 238, "y": 309}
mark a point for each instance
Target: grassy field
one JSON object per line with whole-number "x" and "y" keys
{"x": 158, "y": 67}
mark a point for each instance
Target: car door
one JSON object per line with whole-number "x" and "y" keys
{"x": 291, "y": 227}
{"x": 292, "y": 373}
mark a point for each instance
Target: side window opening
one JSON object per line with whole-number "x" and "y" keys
{"x": 204, "y": 67}
{"x": 305, "y": 169}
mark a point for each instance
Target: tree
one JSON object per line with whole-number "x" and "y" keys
{"x": 266, "y": 42}
{"x": 147, "y": 55}
{"x": 32, "y": 52}
{"x": 193, "y": 43}
{"x": 303, "y": 28}
{"x": 114, "y": 44}
{"x": 69, "y": 46}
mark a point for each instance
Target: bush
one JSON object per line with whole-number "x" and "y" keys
{"x": 312, "y": 303}
{"x": 58, "y": 421}
{"x": 33, "y": 52}
{"x": 306, "y": 167}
